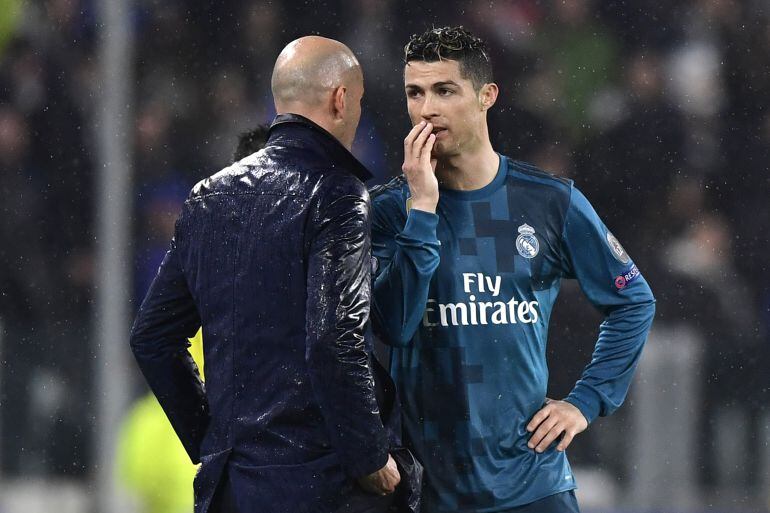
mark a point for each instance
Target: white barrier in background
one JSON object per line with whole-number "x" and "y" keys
{"x": 44, "y": 496}
{"x": 666, "y": 411}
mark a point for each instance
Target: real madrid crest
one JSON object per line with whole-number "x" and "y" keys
{"x": 526, "y": 243}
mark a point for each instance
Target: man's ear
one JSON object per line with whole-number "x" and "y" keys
{"x": 339, "y": 98}
{"x": 488, "y": 95}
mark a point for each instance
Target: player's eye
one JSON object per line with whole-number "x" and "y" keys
{"x": 444, "y": 91}
{"x": 413, "y": 93}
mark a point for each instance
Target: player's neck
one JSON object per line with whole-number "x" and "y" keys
{"x": 469, "y": 171}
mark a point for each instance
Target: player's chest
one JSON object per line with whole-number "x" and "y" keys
{"x": 496, "y": 239}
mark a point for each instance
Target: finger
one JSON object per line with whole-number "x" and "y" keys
{"x": 541, "y": 432}
{"x": 539, "y": 417}
{"x": 425, "y": 153}
{"x": 413, "y": 133}
{"x": 552, "y": 435}
{"x": 419, "y": 142}
{"x": 391, "y": 485}
{"x": 395, "y": 478}
{"x": 568, "y": 436}
{"x": 383, "y": 487}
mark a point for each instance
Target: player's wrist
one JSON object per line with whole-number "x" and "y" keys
{"x": 425, "y": 204}
{"x": 582, "y": 400}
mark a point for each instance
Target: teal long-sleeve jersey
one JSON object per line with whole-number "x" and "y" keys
{"x": 465, "y": 297}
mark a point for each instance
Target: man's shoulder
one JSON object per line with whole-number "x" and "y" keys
{"x": 531, "y": 176}
{"x": 219, "y": 182}
{"x": 230, "y": 178}
{"x": 269, "y": 172}
{"x": 334, "y": 182}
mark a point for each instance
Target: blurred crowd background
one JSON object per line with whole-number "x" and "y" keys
{"x": 657, "y": 110}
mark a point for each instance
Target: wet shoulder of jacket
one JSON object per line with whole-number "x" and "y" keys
{"x": 337, "y": 182}
{"x": 227, "y": 178}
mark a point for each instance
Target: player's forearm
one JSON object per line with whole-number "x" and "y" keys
{"x": 401, "y": 288}
{"x": 605, "y": 381}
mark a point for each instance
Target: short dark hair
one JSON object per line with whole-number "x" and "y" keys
{"x": 251, "y": 141}
{"x": 456, "y": 44}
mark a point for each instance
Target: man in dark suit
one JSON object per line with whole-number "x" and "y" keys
{"x": 272, "y": 257}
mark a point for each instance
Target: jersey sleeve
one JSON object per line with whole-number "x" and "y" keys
{"x": 404, "y": 260}
{"x": 613, "y": 283}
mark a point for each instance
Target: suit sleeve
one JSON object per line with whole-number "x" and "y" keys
{"x": 613, "y": 283}
{"x": 166, "y": 320}
{"x": 338, "y": 298}
{"x": 406, "y": 259}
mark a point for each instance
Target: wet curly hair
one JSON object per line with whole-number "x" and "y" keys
{"x": 456, "y": 44}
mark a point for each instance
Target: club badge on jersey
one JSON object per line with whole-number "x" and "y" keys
{"x": 526, "y": 243}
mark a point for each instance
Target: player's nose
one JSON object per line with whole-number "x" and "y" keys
{"x": 428, "y": 108}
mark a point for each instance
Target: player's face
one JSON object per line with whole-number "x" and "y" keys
{"x": 437, "y": 92}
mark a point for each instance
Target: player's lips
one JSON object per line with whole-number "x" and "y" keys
{"x": 438, "y": 130}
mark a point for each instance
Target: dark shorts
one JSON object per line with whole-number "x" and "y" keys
{"x": 564, "y": 502}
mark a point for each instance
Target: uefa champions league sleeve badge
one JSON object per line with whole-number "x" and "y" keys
{"x": 617, "y": 250}
{"x": 526, "y": 243}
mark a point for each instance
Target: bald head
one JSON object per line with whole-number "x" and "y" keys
{"x": 320, "y": 79}
{"x": 310, "y": 67}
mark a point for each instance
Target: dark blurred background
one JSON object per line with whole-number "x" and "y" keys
{"x": 657, "y": 110}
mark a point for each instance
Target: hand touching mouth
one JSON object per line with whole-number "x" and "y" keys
{"x": 438, "y": 130}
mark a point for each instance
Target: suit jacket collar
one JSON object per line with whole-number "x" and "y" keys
{"x": 293, "y": 125}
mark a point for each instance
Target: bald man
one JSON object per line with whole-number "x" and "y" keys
{"x": 272, "y": 257}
